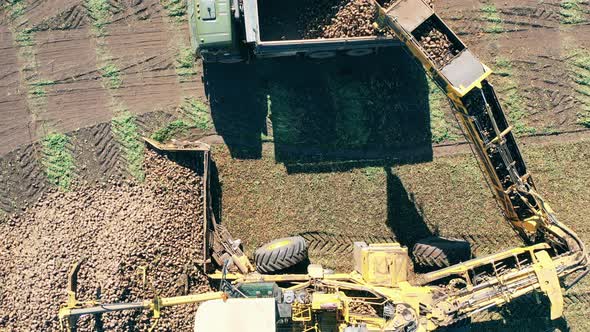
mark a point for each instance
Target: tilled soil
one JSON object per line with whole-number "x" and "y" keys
{"x": 118, "y": 226}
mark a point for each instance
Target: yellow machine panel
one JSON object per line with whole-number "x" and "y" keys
{"x": 382, "y": 264}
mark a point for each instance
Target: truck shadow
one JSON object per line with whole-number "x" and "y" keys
{"x": 340, "y": 114}
{"x": 238, "y": 106}
{"x": 370, "y": 110}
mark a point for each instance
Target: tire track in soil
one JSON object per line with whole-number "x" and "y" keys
{"x": 534, "y": 54}
{"x": 550, "y": 99}
{"x": 98, "y": 155}
{"x": 77, "y": 98}
{"x": 22, "y": 176}
{"x": 141, "y": 49}
{"x": 329, "y": 243}
{"x": 469, "y": 22}
{"x": 112, "y": 83}
{"x": 69, "y": 15}
{"x": 73, "y": 78}
{"x": 14, "y": 123}
{"x": 150, "y": 122}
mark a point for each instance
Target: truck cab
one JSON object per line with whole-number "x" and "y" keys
{"x": 213, "y": 31}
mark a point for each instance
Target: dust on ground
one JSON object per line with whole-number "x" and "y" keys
{"x": 118, "y": 226}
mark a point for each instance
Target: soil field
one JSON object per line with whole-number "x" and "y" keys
{"x": 15, "y": 118}
{"x": 72, "y": 64}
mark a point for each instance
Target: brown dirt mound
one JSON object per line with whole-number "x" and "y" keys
{"x": 118, "y": 226}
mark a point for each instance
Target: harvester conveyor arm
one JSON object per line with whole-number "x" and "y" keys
{"x": 464, "y": 80}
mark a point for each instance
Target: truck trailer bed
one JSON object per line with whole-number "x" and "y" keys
{"x": 281, "y": 29}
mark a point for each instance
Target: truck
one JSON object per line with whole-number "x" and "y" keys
{"x": 230, "y": 31}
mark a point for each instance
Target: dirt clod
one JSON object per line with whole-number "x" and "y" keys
{"x": 118, "y": 227}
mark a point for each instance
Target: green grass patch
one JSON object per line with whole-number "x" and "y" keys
{"x": 584, "y": 119}
{"x": 185, "y": 61}
{"x": 194, "y": 115}
{"x": 126, "y": 132}
{"x": 580, "y": 75}
{"x": 582, "y": 60}
{"x": 352, "y": 119}
{"x": 550, "y": 130}
{"x": 99, "y": 12}
{"x": 38, "y": 88}
{"x": 491, "y": 15}
{"x": 516, "y": 110}
{"x": 494, "y": 28}
{"x": 372, "y": 173}
{"x": 57, "y": 160}
{"x": 503, "y": 67}
{"x": 111, "y": 75}
{"x": 439, "y": 126}
{"x": 24, "y": 37}
{"x": 285, "y": 119}
{"x": 43, "y": 83}
{"x": 174, "y": 8}
{"x": 265, "y": 138}
{"x": 489, "y": 9}
{"x": 571, "y": 12}
{"x": 38, "y": 91}
{"x": 14, "y": 8}
{"x": 170, "y": 130}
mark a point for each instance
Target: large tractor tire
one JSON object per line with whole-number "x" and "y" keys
{"x": 434, "y": 253}
{"x": 280, "y": 254}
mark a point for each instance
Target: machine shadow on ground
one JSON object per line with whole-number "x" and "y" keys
{"x": 358, "y": 111}
{"x": 339, "y": 114}
{"x": 330, "y": 115}
{"x": 404, "y": 215}
{"x": 238, "y": 106}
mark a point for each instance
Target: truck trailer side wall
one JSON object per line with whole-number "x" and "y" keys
{"x": 275, "y": 40}
{"x": 271, "y": 29}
